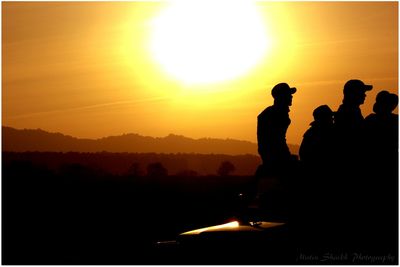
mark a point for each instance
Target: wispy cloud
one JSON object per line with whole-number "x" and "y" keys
{"x": 89, "y": 107}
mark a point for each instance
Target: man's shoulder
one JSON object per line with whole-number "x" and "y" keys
{"x": 394, "y": 116}
{"x": 266, "y": 112}
{"x": 308, "y": 133}
{"x": 348, "y": 109}
{"x": 348, "y": 113}
{"x": 371, "y": 117}
{"x": 342, "y": 108}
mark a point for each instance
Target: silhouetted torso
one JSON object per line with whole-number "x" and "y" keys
{"x": 349, "y": 139}
{"x": 278, "y": 164}
{"x": 348, "y": 187}
{"x": 382, "y": 161}
{"x": 316, "y": 148}
{"x": 314, "y": 198}
{"x": 349, "y": 118}
{"x": 382, "y": 128}
{"x": 382, "y": 165}
{"x": 383, "y": 133}
{"x": 316, "y": 144}
{"x": 272, "y": 125}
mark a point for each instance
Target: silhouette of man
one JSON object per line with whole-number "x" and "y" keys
{"x": 383, "y": 127}
{"x": 349, "y": 171}
{"x": 349, "y": 114}
{"x": 272, "y": 125}
{"x": 278, "y": 163}
{"x": 315, "y": 155}
{"x": 349, "y": 124}
{"x": 316, "y": 144}
{"x": 382, "y": 177}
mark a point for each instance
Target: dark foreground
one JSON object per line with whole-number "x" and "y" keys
{"x": 78, "y": 216}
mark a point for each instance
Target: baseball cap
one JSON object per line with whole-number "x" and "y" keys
{"x": 353, "y": 85}
{"x": 282, "y": 89}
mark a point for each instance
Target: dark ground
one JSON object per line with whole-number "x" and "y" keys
{"x": 77, "y": 215}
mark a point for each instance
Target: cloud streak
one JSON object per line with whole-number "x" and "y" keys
{"x": 89, "y": 107}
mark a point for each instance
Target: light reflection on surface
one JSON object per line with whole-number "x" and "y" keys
{"x": 234, "y": 226}
{"x": 230, "y": 225}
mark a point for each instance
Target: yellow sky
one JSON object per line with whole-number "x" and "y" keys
{"x": 84, "y": 69}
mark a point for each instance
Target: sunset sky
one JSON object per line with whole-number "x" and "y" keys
{"x": 94, "y": 69}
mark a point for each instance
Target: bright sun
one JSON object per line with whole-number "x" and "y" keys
{"x": 200, "y": 42}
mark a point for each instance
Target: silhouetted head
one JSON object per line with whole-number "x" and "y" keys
{"x": 354, "y": 92}
{"x": 282, "y": 94}
{"x": 323, "y": 115}
{"x": 385, "y": 102}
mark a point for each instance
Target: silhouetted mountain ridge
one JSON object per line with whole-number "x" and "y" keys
{"x": 22, "y": 140}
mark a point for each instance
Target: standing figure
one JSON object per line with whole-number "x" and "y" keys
{"x": 349, "y": 127}
{"x": 273, "y": 189}
{"x": 272, "y": 125}
{"x": 315, "y": 201}
{"x": 349, "y": 168}
{"x": 382, "y": 129}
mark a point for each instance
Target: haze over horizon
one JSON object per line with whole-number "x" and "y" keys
{"x": 96, "y": 69}
{"x": 128, "y": 133}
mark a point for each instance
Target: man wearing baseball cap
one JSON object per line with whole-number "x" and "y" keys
{"x": 349, "y": 112}
{"x": 349, "y": 164}
{"x": 349, "y": 122}
{"x": 272, "y": 125}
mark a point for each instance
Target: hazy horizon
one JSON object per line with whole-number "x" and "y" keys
{"x": 125, "y": 133}
{"x": 135, "y": 133}
{"x": 24, "y": 140}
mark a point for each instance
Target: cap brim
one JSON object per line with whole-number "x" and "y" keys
{"x": 368, "y": 87}
{"x": 293, "y": 90}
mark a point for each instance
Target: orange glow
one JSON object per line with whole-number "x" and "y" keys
{"x": 95, "y": 69}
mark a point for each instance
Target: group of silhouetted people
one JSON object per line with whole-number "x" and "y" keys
{"x": 344, "y": 187}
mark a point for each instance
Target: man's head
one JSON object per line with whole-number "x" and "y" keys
{"x": 282, "y": 94}
{"x": 354, "y": 92}
{"x": 323, "y": 115}
{"x": 385, "y": 102}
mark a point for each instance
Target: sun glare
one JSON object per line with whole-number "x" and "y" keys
{"x": 201, "y": 42}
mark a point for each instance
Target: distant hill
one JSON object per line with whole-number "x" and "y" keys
{"x": 121, "y": 163}
{"x": 15, "y": 140}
